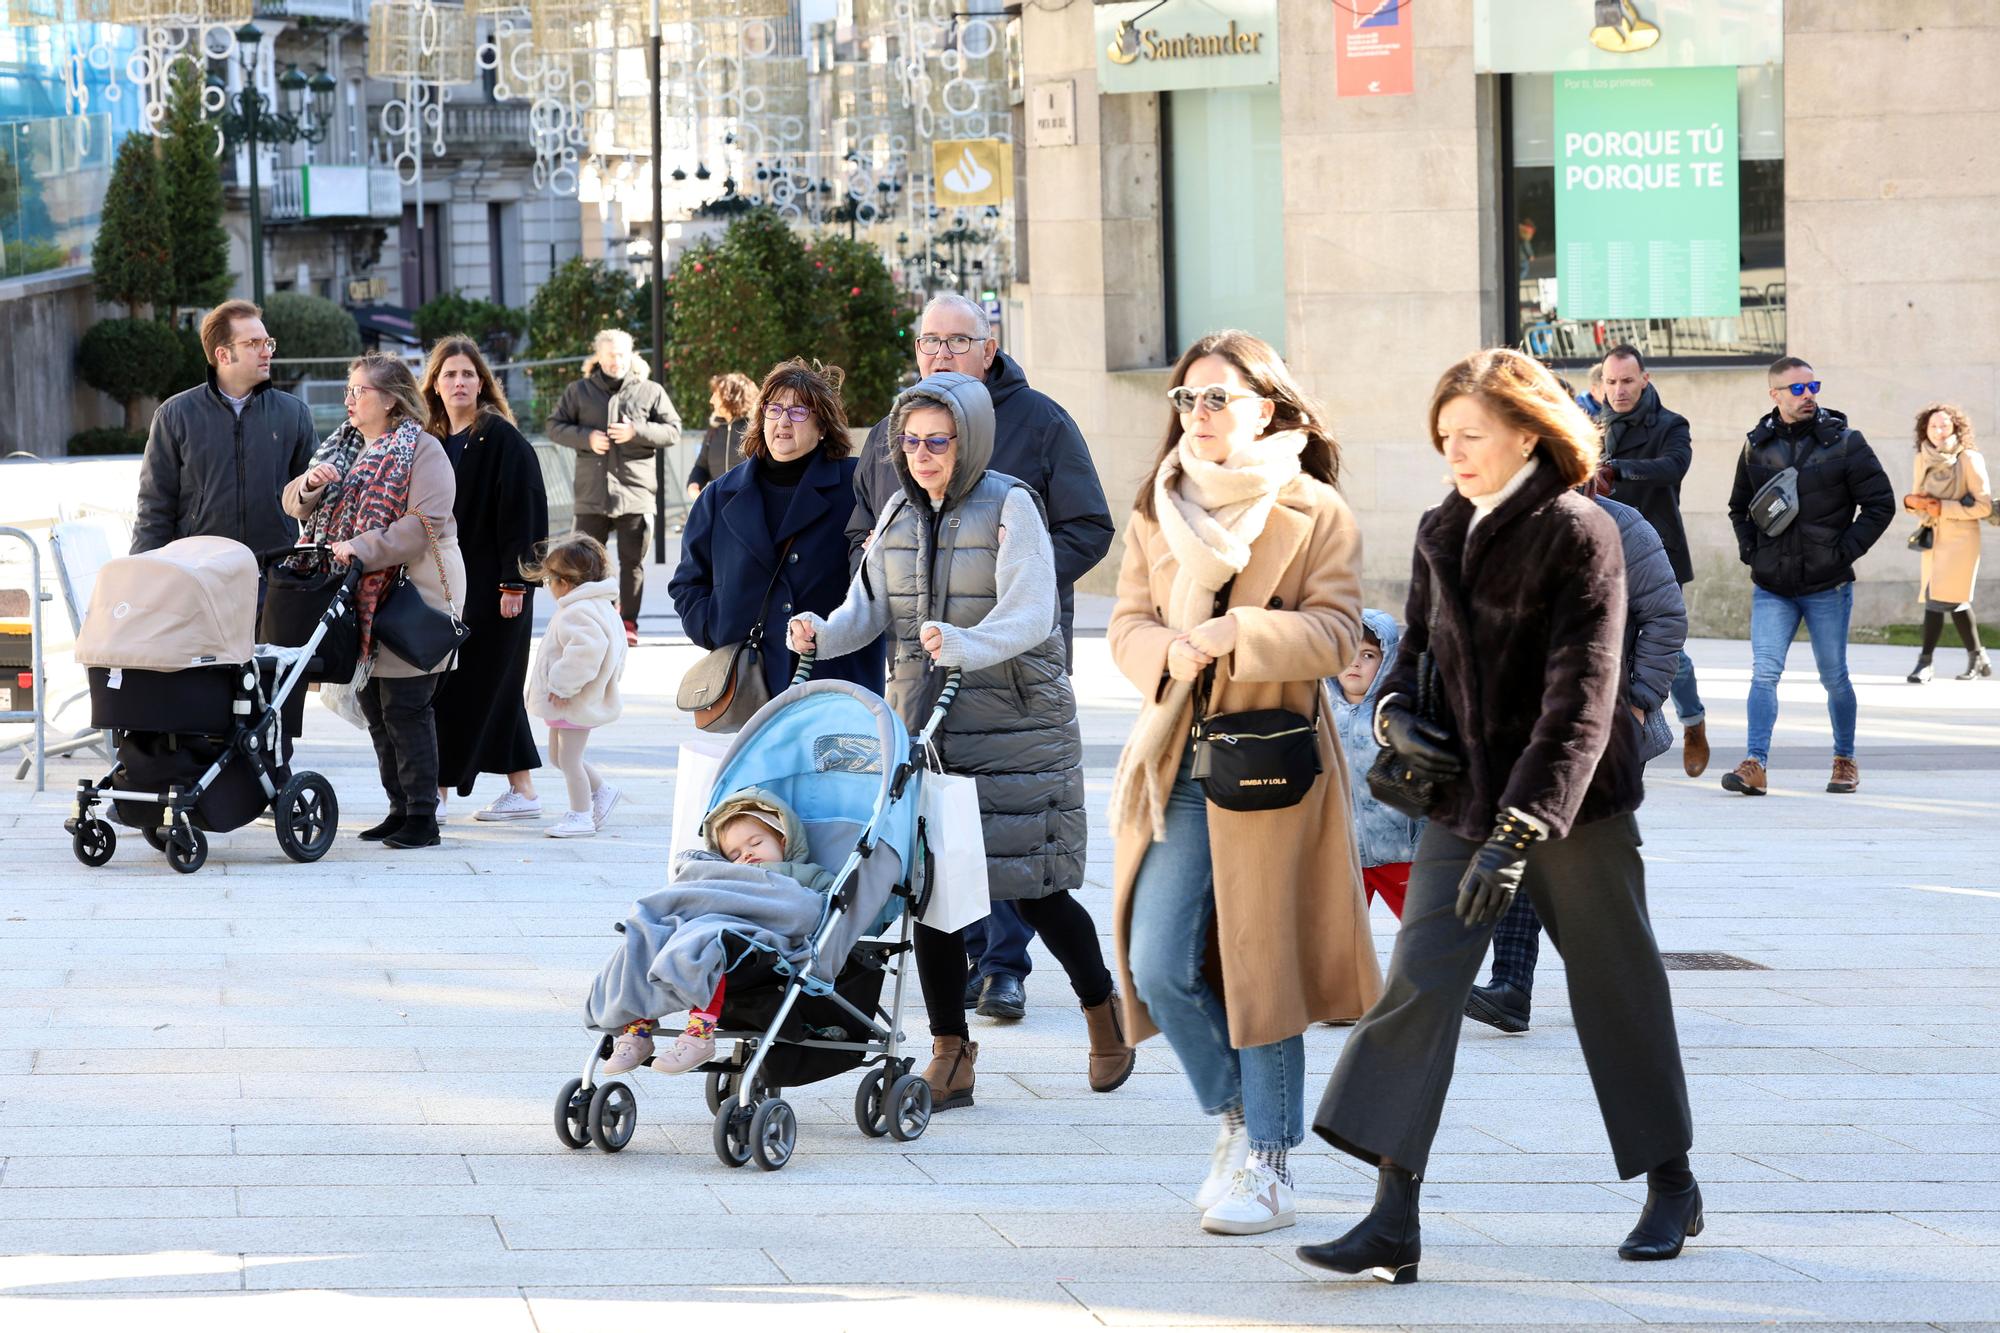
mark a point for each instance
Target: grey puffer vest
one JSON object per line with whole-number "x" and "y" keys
{"x": 1013, "y": 726}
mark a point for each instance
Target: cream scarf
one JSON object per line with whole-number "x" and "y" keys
{"x": 1944, "y": 471}
{"x": 1210, "y": 515}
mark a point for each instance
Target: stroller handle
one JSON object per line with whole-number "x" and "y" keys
{"x": 805, "y": 668}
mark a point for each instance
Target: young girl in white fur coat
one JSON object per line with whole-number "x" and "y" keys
{"x": 574, "y": 683}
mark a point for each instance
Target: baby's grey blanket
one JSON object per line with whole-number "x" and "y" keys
{"x": 672, "y": 953}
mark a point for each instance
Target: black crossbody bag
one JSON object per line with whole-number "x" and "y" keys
{"x": 1388, "y": 781}
{"x": 1264, "y": 759}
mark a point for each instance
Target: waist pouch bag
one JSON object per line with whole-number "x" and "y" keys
{"x": 1265, "y": 759}
{"x": 1775, "y": 506}
{"x": 411, "y": 627}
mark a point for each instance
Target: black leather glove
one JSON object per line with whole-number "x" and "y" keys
{"x": 1494, "y": 877}
{"x": 1422, "y": 747}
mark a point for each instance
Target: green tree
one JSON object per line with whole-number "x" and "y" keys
{"x": 130, "y": 359}
{"x": 451, "y": 313}
{"x": 191, "y": 195}
{"x": 869, "y": 335}
{"x": 310, "y": 327}
{"x": 131, "y": 258}
{"x": 580, "y": 298}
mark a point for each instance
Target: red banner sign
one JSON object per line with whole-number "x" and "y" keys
{"x": 1372, "y": 47}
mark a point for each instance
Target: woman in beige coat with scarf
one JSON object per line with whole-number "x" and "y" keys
{"x": 1237, "y": 930}
{"x": 1952, "y": 493}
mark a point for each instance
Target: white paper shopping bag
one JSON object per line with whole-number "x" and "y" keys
{"x": 949, "y": 812}
{"x": 700, "y": 760}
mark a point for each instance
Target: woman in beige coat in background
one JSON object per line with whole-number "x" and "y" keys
{"x": 389, "y": 506}
{"x": 1950, "y": 496}
{"x": 1237, "y": 930}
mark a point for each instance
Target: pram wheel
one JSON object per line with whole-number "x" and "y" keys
{"x": 774, "y": 1132}
{"x": 156, "y": 837}
{"x": 871, "y": 1102}
{"x": 717, "y": 1089}
{"x": 93, "y": 842}
{"x": 571, "y": 1109}
{"x": 732, "y": 1133}
{"x": 308, "y": 815}
{"x": 187, "y": 849}
{"x": 614, "y": 1114}
{"x": 909, "y": 1108}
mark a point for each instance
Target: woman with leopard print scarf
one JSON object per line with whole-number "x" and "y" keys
{"x": 388, "y": 504}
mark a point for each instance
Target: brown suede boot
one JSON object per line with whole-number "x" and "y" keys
{"x": 1694, "y": 750}
{"x": 1111, "y": 1056}
{"x": 1747, "y": 780}
{"x": 950, "y": 1072}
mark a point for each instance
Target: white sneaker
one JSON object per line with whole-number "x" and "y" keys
{"x": 574, "y": 824}
{"x": 1232, "y": 1150}
{"x": 602, "y": 802}
{"x": 1257, "y": 1202}
{"x": 510, "y": 804}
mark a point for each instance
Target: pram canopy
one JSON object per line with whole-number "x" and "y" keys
{"x": 191, "y": 603}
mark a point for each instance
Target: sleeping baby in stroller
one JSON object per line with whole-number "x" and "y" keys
{"x": 750, "y": 887}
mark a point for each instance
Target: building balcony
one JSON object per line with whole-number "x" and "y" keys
{"x": 488, "y": 129}
{"x": 319, "y": 193}
{"x": 340, "y": 11}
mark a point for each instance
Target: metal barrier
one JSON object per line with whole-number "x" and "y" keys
{"x": 38, "y": 714}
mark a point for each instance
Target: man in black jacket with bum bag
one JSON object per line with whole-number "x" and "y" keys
{"x": 1802, "y": 561}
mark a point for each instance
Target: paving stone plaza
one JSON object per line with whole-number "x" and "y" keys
{"x": 318, "y": 1097}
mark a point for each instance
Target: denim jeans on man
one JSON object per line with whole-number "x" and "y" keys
{"x": 999, "y": 943}
{"x": 1687, "y": 699}
{"x": 1172, "y": 905}
{"x": 1774, "y": 622}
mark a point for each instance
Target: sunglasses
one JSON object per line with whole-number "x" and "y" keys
{"x": 797, "y": 412}
{"x": 1215, "y": 398}
{"x": 1801, "y": 390}
{"x": 937, "y": 444}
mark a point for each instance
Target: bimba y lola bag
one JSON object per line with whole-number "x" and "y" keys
{"x": 726, "y": 688}
{"x": 1264, "y": 759}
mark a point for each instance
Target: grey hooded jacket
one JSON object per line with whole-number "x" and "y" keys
{"x": 209, "y": 471}
{"x": 1656, "y": 622}
{"x": 621, "y": 481}
{"x": 1013, "y": 727}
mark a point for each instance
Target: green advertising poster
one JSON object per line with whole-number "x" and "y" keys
{"x": 1646, "y": 197}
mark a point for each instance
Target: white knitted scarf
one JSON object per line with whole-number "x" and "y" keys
{"x": 1210, "y": 515}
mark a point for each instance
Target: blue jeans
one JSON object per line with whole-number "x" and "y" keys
{"x": 1172, "y": 905}
{"x": 1687, "y": 699}
{"x": 999, "y": 943}
{"x": 1774, "y": 621}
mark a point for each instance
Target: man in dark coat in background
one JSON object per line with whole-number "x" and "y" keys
{"x": 1035, "y": 442}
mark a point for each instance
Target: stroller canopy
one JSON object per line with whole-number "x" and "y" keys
{"x": 190, "y": 603}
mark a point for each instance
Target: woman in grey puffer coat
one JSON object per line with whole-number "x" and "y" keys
{"x": 959, "y": 570}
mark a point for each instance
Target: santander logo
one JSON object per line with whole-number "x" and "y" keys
{"x": 967, "y": 176}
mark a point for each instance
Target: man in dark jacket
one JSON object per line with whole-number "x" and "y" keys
{"x": 616, "y": 418}
{"x": 1802, "y": 557}
{"x": 219, "y": 455}
{"x": 1647, "y": 453}
{"x": 1035, "y": 442}
{"x": 1656, "y": 629}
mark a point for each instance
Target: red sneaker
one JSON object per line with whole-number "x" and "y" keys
{"x": 631, "y": 634}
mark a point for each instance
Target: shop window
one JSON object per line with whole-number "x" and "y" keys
{"x": 1225, "y": 214}
{"x": 1538, "y": 321}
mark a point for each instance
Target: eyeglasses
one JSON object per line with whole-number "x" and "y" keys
{"x": 1801, "y": 390}
{"x": 959, "y": 343}
{"x": 354, "y": 391}
{"x": 1216, "y": 398}
{"x": 797, "y": 412}
{"x": 268, "y": 344}
{"x": 937, "y": 444}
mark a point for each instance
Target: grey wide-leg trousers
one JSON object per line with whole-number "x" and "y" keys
{"x": 1387, "y": 1093}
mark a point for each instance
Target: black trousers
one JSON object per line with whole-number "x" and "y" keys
{"x": 1064, "y": 925}
{"x": 404, "y": 730}
{"x": 1387, "y": 1092}
{"x": 634, "y": 550}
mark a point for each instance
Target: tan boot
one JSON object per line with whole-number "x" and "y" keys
{"x": 950, "y": 1072}
{"x": 1747, "y": 780}
{"x": 1694, "y": 750}
{"x": 1111, "y": 1056}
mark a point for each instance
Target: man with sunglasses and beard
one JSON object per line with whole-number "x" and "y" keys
{"x": 1802, "y": 554}
{"x": 1037, "y": 442}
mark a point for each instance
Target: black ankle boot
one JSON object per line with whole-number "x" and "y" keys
{"x": 387, "y": 828}
{"x": 417, "y": 831}
{"x": 1921, "y": 673}
{"x": 1387, "y": 1243}
{"x": 1665, "y": 1223}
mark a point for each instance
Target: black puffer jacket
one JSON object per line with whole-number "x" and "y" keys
{"x": 1649, "y": 451}
{"x": 1845, "y": 503}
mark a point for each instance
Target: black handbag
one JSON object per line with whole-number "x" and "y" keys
{"x": 1264, "y": 759}
{"x": 411, "y": 627}
{"x": 1389, "y": 781}
{"x": 1923, "y": 539}
{"x": 298, "y": 590}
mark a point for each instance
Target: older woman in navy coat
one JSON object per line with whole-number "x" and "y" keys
{"x": 777, "y": 521}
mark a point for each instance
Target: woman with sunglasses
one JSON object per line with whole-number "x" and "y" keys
{"x": 767, "y": 541}
{"x": 1240, "y": 591}
{"x": 960, "y": 571}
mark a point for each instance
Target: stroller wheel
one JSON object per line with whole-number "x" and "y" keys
{"x": 718, "y": 1089}
{"x": 156, "y": 837}
{"x": 571, "y": 1108}
{"x": 187, "y": 849}
{"x": 93, "y": 842}
{"x": 307, "y": 815}
{"x": 614, "y": 1114}
{"x": 909, "y": 1108}
{"x": 732, "y": 1133}
{"x": 774, "y": 1132}
{"x": 871, "y": 1102}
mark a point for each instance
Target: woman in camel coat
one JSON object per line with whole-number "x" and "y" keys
{"x": 1242, "y": 556}
{"x": 1950, "y": 496}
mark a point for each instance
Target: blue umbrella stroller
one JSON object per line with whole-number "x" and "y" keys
{"x": 841, "y": 758}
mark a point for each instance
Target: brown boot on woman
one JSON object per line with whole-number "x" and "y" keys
{"x": 950, "y": 1072}
{"x": 1111, "y": 1056}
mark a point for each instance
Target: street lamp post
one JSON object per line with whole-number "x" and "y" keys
{"x": 251, "y": 117}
